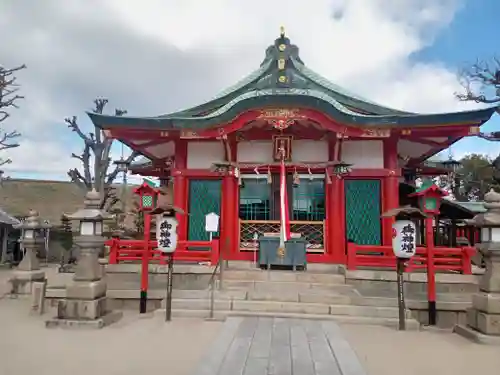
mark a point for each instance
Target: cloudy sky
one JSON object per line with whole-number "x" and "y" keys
{"x": 156, "y": 56}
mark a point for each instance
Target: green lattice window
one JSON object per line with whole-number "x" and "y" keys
{"x": 309, "y": 200}
{"x": 204, "y": 197}
{"x": 147, "y": 201}
{"x": 362, "y": 203}
{"x": 255, "y": 195}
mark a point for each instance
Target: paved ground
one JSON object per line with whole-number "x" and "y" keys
{"x": 132, "y": 346}
{"x": 262, "y": 346}
{"x": 275, "y": 346}
{"x": 385, "y": 351}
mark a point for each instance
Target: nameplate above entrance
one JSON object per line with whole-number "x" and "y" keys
{"x": 280, "y": 118}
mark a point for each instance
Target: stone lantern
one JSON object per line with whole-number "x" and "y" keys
{"x": 29, "y": 270}
{"x": 86, "y": 303}
{"x": 483, "y": 319}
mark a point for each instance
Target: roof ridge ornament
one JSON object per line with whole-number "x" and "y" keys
{"x": 282, "y": 31}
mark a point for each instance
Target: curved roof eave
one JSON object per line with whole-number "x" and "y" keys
{"x": 300, "y": 98}
{"x": 336, "y": 90}
{"x": 226, "y": 95}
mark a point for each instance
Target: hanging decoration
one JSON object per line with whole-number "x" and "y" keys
{"x": 328, "y": 179}
{"x": 237, "y": 174}
{"x": 269, "y": 176}
{"x": 296, "y": 179}
{"x": 310, "y": 174}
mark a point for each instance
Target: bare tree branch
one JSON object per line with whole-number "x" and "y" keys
{"x": 481, "y": 82}
{"x": 5, "y": 161}
{"x": 8, "y": 100}
{"x": 8, "y": 90}
{"x": 77, "y": 178}
{"x": 97, "y": 146}
{"x": 8, "y": 139}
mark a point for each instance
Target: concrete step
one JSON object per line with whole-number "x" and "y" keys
{"x": 311, "y": 267}
{"x": 286, "y": 307}
{"x": 411, "y": 324}
{"x": 263, "y": 275}
{"x": 284, "y": 286}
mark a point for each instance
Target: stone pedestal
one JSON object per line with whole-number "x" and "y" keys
{"x": 28, "y": 271}
{"x": 483, "y": 319}
{"x": 86, "y": 304}
{"x": 22, "y": 281}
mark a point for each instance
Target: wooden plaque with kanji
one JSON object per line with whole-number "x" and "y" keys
{"x": 282, "y": 142}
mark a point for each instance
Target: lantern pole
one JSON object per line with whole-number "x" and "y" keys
{"x": 401, "y": 293}
{"x": 404, "y": 246}
{"x": 148, "y": 201}
{"x": 145, "y": 264}
{"x": 430, "y": 199}
{"x": 431, "y": 271}
{"x": 170, "y": 283}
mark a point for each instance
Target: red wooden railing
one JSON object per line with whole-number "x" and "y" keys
{"x": 133, "y": 250}
{"x": 445, "y": 259}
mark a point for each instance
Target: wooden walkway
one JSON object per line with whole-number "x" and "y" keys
{"x": 278, "y": 346}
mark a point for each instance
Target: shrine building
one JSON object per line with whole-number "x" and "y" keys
{"x": 346, "y": 157}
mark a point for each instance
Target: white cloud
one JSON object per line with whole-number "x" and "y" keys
{"x": 155, "y": 56}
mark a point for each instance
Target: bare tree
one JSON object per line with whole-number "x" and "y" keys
{"x": 8, "y": 100}
{"x": 96, "y": 149}
{"x": 481, "y": 82}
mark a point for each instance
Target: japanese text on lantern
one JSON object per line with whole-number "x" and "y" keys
{"x": 164, "y": 240}
{"x": 408, "y": 239}
{"x": 166, "y": 234}
{"x": 404, "y": 242}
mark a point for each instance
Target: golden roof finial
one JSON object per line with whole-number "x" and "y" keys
{"x": 282, "y": 31}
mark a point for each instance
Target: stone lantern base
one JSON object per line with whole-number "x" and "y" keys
{"x": 85, "y": 306}
{"x": 28, "y": 271}
{"x": 483, "y": 319}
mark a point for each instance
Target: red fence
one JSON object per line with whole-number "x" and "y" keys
{"x": 445, "y": 259}
{"x": 133, "y": 250}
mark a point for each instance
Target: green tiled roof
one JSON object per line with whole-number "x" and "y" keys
{"x": 475, "y": 207}
{"x": 301, "y": 87}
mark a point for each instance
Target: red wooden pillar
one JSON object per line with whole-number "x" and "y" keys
{"x": 180, "y": 187}
{"x": 390, "y": 193}
{"x": 227, "y": 217}
{"x": 229, "y": 214}
{"x": 335, "y": 201}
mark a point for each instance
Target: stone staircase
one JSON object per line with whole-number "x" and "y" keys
{"x": 315, "y": 295}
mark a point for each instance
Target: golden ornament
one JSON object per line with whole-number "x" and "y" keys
{"x": 282, "y": 47}
{"x": 282, "y": 79}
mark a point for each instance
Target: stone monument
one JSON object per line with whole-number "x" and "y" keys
{"x": 28, "y": 271}
{"x": 85, "y": 305}
{"x": 483, "y": 319}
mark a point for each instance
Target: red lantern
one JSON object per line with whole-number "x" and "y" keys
{"x": 148, "y": 196}
{"x": 429, "y": 196}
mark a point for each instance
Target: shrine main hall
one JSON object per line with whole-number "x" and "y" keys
{"x": 347, "y": 159}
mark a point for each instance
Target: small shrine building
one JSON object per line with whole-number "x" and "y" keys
{"x": 346, "y": 157}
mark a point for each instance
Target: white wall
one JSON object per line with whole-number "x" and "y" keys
{"x": 201, "y": 155}
{"x": 255, "y": 151}
{"x": 363, "y": 154}
{"x": 308, "y": 150}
